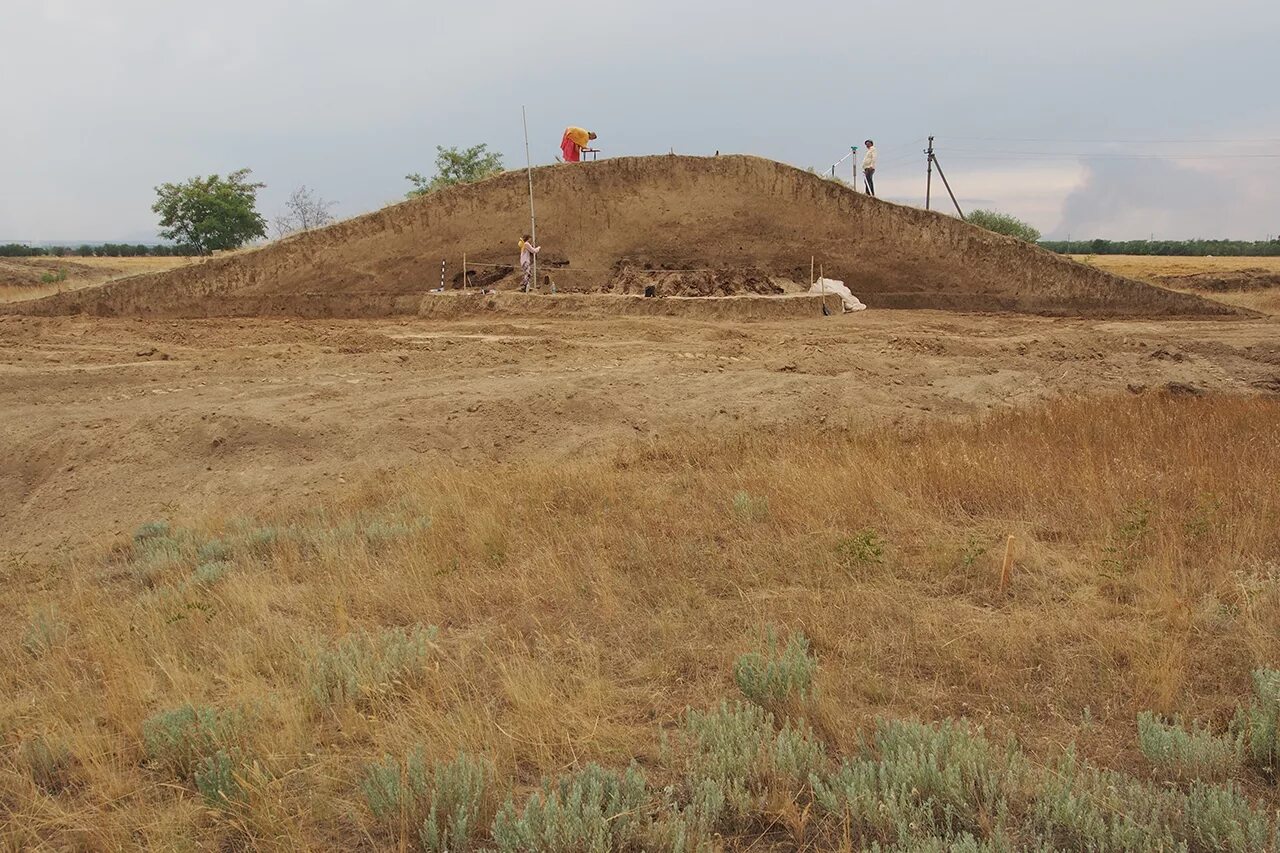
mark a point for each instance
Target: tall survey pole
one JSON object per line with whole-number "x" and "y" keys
{"x": 533, "y": 219}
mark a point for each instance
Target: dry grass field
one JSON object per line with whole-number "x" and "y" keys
{"x": 537, "y": 576}
{"x": 540, "y": 616}
{"x": 31, "y": 278}
{"x": 1150, "y": 267}
{"x": 1252, "y": 283}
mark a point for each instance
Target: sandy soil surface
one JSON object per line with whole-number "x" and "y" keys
{"x": 108, "y": 423}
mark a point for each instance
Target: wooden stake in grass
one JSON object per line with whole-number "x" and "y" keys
{"x": 1008, "y": 565}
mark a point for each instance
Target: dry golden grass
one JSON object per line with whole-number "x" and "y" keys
{"x": 20, "y": 277}
{"x": 583, "y": 604}
{"x": 1154, "y": 268}
{"x": 1146, "y": 267}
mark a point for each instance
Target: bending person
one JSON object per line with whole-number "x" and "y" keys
{"x": 575, "y": 139}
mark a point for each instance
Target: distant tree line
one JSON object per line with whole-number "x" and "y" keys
{"x": 99, "y": 250}
{"x": 213, "y": 213}
{"x": 1226, "y": 248}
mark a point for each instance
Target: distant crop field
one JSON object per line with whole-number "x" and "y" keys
{"x": 31, "y": 278}
{"x": 1148, "y": 266}
{"x": 1248, "y": 282}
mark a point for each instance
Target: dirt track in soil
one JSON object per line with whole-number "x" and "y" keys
{"x": 108, "y": 423}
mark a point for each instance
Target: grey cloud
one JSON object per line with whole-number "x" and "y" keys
{"x": 106, "y": 100}
{"x": 1139, "y": 198}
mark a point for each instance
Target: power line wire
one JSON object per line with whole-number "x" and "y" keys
{"x": 1258, "y": 140}
{"x": 1078, "y": 155}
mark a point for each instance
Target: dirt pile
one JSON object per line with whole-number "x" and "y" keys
{"x": 693, "y": 282}
{"x": 720, "y": 213}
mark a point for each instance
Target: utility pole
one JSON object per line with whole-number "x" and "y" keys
{"x": 948, "y": 186}
{"x": 928, "y": 181}
{"x": 933, "y": 161}
{"x": 533, "y": 220}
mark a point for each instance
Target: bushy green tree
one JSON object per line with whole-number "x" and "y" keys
{"x": 1003, "y": 223}
{"x": 456, "y": 167}
{"x": 208, "y": 214}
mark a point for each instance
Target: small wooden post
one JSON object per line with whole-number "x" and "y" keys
{"x": 464, "y": 270}
{"x": 1008, "y": 565}
{"x": 811, "y": 272}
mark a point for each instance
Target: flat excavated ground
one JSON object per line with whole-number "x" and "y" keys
{"x": 105, "y": 424}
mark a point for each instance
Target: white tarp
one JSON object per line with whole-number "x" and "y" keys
{"x": 831, "y": 285}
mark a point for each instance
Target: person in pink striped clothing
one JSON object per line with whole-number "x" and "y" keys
{"x": 527, "y": 251}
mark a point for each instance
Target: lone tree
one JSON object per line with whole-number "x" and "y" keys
{"x": 208, "y": 214}
{"x": 1003, "y": 223}
{"x": 456, "y": 167}
{"x": 303, "y": 211}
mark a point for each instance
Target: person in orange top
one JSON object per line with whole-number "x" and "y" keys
{"x": 575, "y": 139}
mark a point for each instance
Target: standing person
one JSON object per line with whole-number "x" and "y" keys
{"x": 527, "y": 251}
{"x": 869, "y": 168}
{"x": 575, "y": 139}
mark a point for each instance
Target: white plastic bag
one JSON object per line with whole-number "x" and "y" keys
{"x": 831, "y": 285}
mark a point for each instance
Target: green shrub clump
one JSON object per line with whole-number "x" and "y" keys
{"x": 776, "y": 675}
{"x": 201, "y": 745}
{"x": 735, "y": 758}
{"x": 1193, "y": 753}
{"x": 1260, "y": 722}
{"x": 449, "y": 805}
{"x": 364, "y": 666}
{"x": 208, "y": 574}
{"x": 862, "y": 549}
{"x": 1003, "y": 223}
{"x": 591, "y": 810}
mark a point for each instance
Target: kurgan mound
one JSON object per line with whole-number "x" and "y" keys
{"x": 665, "y": 213}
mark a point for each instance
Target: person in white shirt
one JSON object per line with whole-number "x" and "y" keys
{"x": 869, "y": 168}
{"x": 527, "y": 251}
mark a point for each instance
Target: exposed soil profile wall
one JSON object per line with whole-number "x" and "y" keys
{"x": 663, "y": 213}
{"x": 739, "y": 308}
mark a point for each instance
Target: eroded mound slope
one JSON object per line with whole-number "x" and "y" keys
{"x": 659, "y": 213}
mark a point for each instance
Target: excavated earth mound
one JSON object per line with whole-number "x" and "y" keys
{"x": 738, "y": 213}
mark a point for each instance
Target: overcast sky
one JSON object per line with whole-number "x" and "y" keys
{"x": 1123, "y": 118}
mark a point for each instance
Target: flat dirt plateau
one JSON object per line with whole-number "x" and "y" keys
{"x": 105, "y": 424}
